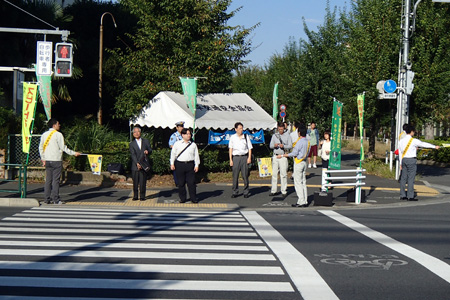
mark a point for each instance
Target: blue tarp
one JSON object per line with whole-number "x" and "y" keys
{"x": 222, "y": 138}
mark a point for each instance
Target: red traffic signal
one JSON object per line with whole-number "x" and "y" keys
{"x": 63, "y": 59}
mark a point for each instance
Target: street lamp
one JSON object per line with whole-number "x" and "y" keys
{"x": 100, "y": 67}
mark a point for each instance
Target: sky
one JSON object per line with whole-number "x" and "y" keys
{"x": 280, "y": 20}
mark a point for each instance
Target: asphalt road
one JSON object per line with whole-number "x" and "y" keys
{"x": 379, "y": 253}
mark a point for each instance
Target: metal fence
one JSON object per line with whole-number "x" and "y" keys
{"x": 17, "y": 156}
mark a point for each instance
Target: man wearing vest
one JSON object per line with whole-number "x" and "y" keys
{"x": 51, "y": 148}
{"x": 300, "y": 152}
{"x": 407, "y": 147}
{"x": 280, "y": 143}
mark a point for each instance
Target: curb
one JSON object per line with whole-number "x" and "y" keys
{"x": 19, "y": 202}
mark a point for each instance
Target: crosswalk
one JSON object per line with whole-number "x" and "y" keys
{"x": 88, "y": 253}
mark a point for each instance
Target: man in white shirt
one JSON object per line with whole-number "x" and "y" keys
{"x": 407, "y": 147}
{"x": 240, "y": 152}
{"x": 51, "y": 148}
{"x": 184, "y": 160}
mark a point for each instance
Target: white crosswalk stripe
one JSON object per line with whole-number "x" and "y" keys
{"x": 78, "y": 253}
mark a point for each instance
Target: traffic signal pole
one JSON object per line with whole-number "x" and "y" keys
{"x": 63, "y": 33}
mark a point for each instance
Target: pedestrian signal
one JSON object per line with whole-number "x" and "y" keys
{"x": 63, "y": 59}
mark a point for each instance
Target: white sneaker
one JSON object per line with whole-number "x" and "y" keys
{"x": 309, "y": 166}
{"x": 314, "y": 166}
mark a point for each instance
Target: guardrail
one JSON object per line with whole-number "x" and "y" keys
{"x": 22, "y": 179}
{"x": 327, "y": 180}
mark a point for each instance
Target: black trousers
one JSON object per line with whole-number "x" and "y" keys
{"x": 186, "y": 175}
{"x": 139, "y": 183}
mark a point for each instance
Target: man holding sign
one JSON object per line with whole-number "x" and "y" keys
{"x": 407, "y": 147}
{"x": 51, "y": 148}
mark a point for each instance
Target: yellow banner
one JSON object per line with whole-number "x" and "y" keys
{"x": 265, "y": 166}
{"x": 29, "y": 103}
{"x": 95, "y": 161}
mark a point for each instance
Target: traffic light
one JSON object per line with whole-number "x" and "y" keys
{"x": 409, "y": 83}
{"x": 63, "y": 59}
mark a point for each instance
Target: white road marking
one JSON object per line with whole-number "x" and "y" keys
{"x": 433, "y": 264}
{"x": 310, "y": 284}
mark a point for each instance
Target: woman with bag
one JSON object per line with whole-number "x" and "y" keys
{"x": 184, "y": 160}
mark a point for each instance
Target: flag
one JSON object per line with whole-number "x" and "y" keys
{"x": 28, "y": 109}
{"x": 45, "y": 90}
{"x": 360, "y": 101}
{"x": 335, "y": 153}
{"x": 190, "y": 92}
{"x": 95, "y": 162}
{"x": 275, "y": 102}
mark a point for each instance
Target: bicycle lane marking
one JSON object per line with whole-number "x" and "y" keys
{"x": 305, "y": 277}
{"x": 433, "y": 264}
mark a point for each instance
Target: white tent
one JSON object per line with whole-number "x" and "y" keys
{"x": 214, "y": 111}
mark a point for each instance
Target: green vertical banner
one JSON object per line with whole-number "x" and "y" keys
{"x": 360, "y": 101}
{"x": 335, "y": 154}
{"x": 190, "y": 92}
{"x": 45, "y": 90}
{"x": 275, "y": 102}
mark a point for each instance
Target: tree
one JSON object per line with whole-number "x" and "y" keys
{"x": 431, "y": 64}
{"x": 373, "y": 48}
{"x": 177, "y": 38}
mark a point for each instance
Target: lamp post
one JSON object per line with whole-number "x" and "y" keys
{"x": 100, "y": 67}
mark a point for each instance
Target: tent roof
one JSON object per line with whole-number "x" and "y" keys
{"x": 214, "y": 111}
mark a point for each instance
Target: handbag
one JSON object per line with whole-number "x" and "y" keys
{"x": 145, "y": 164}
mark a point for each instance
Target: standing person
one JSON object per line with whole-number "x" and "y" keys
{"x": 175, "y": 137}
{"x": 407, "y": 147}
{"x": 314, "y": 140}
{"x": 184, "y": 160}
{"x": 240, "y": 152}
{"x": 280, "y": 143}
{"x": 51, "y": 148}
{"x": 139, "y": 149}
{"x": 300, "y": 153}
{"x": 325, "y": 155}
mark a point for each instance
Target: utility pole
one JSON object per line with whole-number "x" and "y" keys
{"x": 405, "y": 73}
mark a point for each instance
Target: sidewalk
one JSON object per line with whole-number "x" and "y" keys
{"x": 431, "y": 186}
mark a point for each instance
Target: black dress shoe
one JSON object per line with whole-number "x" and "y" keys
{"x": 413, "y": 199}
{"x": 182, "y": 201}
{"x": 134, "y": 199}
{"x": 234, "y": 196}
{"x": 247, "y": 195}
{"x": 195, "y": 201}
{"x": 272, "y": 194}
{"x": 299, "y": 205}
{"x": 403, "y": 198}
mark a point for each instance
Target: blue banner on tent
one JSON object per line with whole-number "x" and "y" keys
{"x": 222, "y": 138}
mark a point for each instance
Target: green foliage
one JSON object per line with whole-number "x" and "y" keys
{"x": 9, "y": 124}
{"x": 89, "y": 137}
{"x": 377, "y": 167}
{"x": 159, "y": 160}
{"x": 214, "y": 160}
{"x": 177, "y": 38}
{"x": 442, "y": 155}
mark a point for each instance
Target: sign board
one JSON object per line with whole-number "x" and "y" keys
{"x": 283, "y": 114}
{"x": 390, "y": 86}
{"x": 389, "y": 96}
{"x": 282, "y": 107}
{"x": 44, "y": 59}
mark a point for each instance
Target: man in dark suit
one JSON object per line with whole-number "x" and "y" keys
{"x": 139, "y": 149}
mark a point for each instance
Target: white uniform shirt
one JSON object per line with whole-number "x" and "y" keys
{"x": 190, "y": 154}
{"x": 240, "y": 145}
{"x": 55, "y": 147}
{"x": 412, "y": 149}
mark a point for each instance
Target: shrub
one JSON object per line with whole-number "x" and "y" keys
{"x": 160, "y": 161}
{"x": 214, "y": 160}
{"x": 377, "y": 167}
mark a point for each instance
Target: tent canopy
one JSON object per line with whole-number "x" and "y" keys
{"x": 214, "y": 111}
